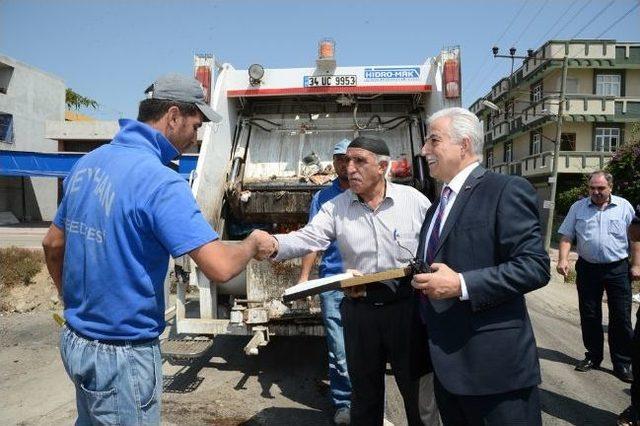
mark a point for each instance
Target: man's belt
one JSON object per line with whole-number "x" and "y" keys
{"x": 380, "y": 293}
{"x": 615, "y": 262}
{"x": 112, "y": 342}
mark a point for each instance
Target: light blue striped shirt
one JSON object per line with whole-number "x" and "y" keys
{"x": 601, "y": 235}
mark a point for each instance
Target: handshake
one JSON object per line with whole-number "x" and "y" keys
{"x": 264, "y": 244}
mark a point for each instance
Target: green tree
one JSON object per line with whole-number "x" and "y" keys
{"x": 76, "y": 101}
{"x": 625, "y": 167}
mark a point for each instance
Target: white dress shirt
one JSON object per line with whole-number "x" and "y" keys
{"x": 455, "y": 185}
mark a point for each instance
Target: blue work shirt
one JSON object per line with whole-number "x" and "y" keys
{"x": 123, "y": 213}
{"x": 331, "y": 263}
{"x": 601, "y": 234}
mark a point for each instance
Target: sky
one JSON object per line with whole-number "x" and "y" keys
{"x": 111, "y": 50}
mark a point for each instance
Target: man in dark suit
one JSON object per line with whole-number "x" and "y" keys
{"x": 484, "y": 246}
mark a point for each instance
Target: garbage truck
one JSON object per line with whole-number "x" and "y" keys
{"x": 260, "y": 166}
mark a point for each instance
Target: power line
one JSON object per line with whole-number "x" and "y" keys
{"x": 511, "y": 22}
{"x": 593, "y": 19}
{"x": 531, "y": 21}
{"x": 618, "y": 20}
{"x": 553, "y": 54}
{"x": 572, "y": 18}
{"x": 542, "y": 39}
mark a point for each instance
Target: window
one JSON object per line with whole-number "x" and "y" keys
{"x": 608, "y": 84}
{"x": 536, "y": 139}
{"x": 607, "y": 139}
{"x": 508, "y": 153}
{"x": 6, "y": 128}
{"x": 489, "y": 158}
{"x": 536, "y": 92}
{"x": 571, "y": 85}
{"x": 568, "y": 142}
{"x": 6, "y": 71}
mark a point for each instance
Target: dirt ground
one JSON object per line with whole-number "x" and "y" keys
{"x": 40, "y": 295}
{"x": 286, "y": 383}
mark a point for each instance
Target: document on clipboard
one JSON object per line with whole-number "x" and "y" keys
{"x": 347, "y": 279}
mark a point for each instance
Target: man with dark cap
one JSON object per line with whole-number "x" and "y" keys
{"x": 375, "y": 224}
{"x": 123, "y": 213}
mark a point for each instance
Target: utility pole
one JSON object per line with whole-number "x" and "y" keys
{"x": 553, "y": 180}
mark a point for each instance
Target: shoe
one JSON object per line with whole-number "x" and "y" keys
{"x": 624, "y": 373}
{"x": 342, "y": 416}
{"x": 586, "y": 365}
{"x": 628, "y": 417}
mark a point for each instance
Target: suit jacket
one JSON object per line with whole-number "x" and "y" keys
{"x": 485, "y": 345}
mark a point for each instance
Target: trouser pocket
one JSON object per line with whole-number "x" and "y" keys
{"x": 143, "y": 362}
{"x": 103, "y": 405}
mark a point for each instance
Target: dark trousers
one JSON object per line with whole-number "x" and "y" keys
{"x": 635, "y": 365}
{"x": 592, "y": 280}
{"x": 374, "y": 335}
{"x": 519, "y": 407}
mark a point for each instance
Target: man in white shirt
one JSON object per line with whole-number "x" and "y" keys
{"x": 371, "y": 223}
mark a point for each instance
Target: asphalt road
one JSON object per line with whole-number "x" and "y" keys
{"x": 286, "y": 383}
{"x": 22, "y": 236}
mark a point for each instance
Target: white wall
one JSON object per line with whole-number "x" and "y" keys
{"x": 32, "y": 97}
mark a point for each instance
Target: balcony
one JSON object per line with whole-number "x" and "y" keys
{"x": 570, "y": 162}
{"x": 585, "y": 105}
{"x": 627, "y": 109}
{"x": 514, "y": 168}
{"x": 477, "y": 106}
{"x": 592, "y": 53}
{"x": 500, "y": 88}
{"x": 580, "y": 108}
{"x": 538, "y": 110}
{"x": 488, "y": 139}
{"x": 500, "y": 130}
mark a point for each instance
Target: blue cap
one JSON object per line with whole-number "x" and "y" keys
{"x": 341, "y": 147}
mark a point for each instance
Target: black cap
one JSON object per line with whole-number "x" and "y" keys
{"x": 375, "y": 145}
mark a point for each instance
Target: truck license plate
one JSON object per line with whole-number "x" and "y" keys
{"x": 329, "y": 80}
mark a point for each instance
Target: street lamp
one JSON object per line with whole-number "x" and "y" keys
{"x": 490, "y": 105}
{"x": 512, "y": 55}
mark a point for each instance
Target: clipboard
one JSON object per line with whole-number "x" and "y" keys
{"x": 320, "y": 285}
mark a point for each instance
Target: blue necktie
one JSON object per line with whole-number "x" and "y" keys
{"x": 434, "y": 238}
{"x": 432, "y": 246}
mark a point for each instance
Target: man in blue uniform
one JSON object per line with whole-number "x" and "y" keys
{"x": 331, "y": 264}
{"x": 122, "y": 215}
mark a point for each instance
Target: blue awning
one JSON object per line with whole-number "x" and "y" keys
{"x": 59, "y": 164}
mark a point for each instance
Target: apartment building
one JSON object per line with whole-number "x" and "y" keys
{"x": 602, "y": 103}
{"x": 28, "y": 98}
